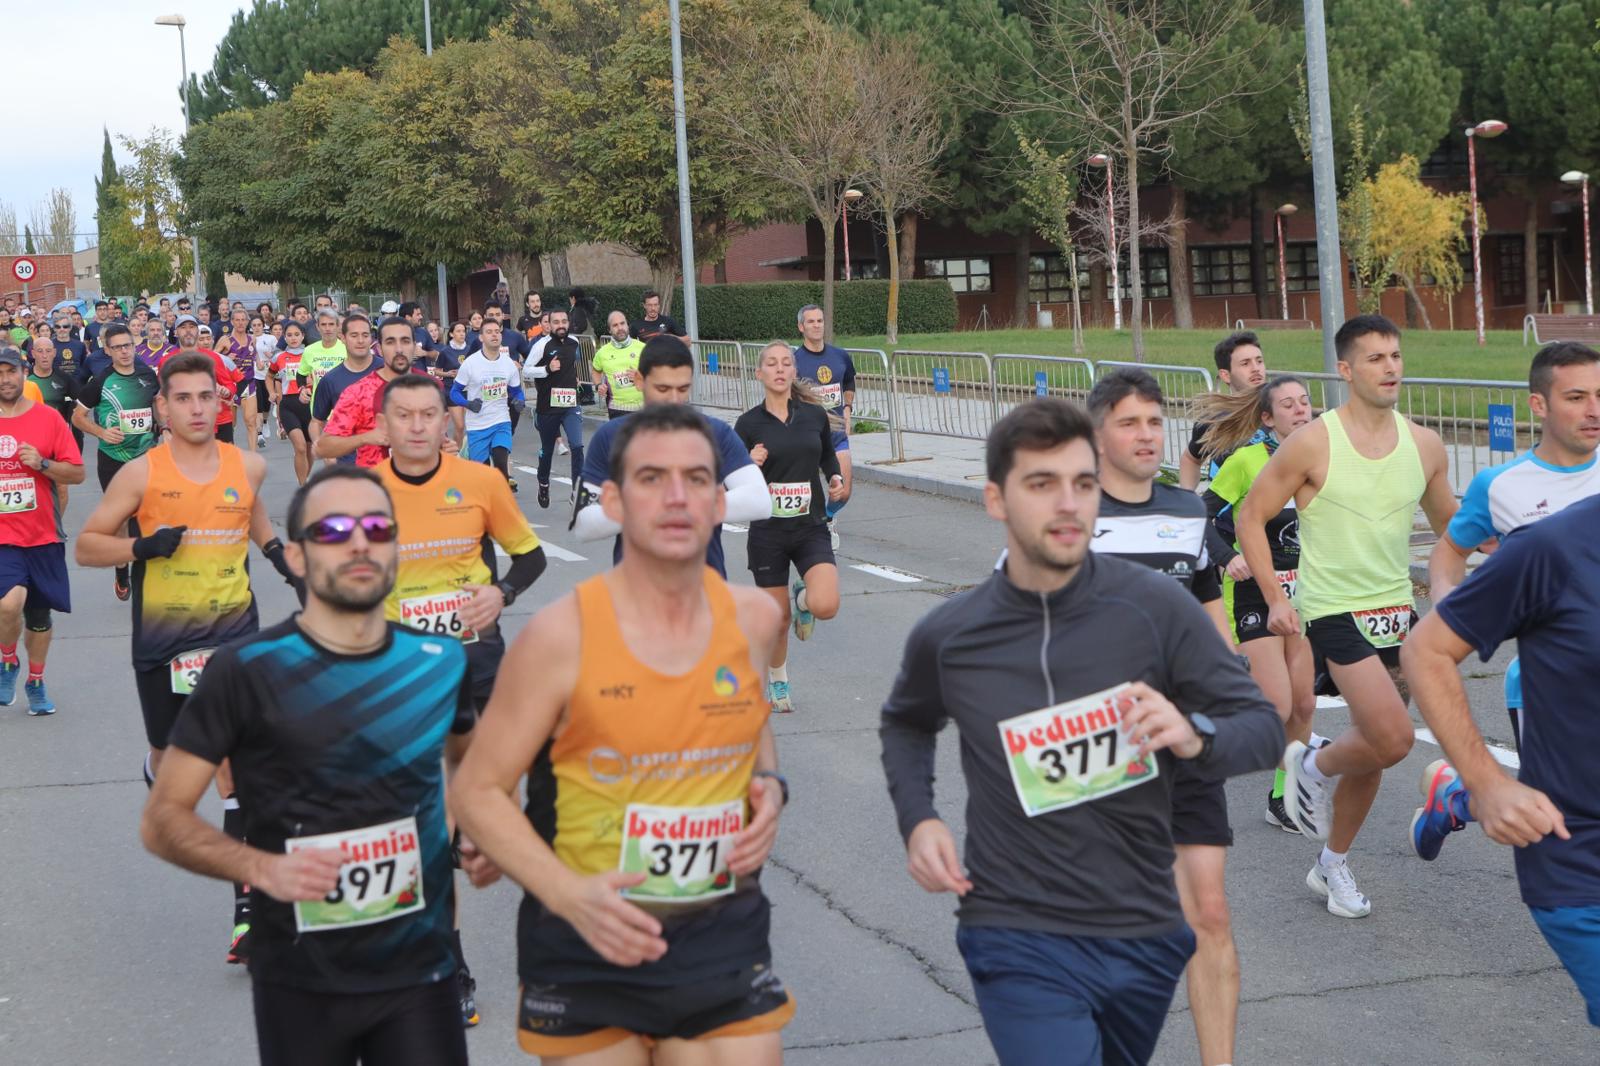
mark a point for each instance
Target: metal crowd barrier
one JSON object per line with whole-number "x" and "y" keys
{"x": 941, "y": 394}
{"x": 1179, "y": 385}
{"x": 721, "y": 375}
{"x": 874, "y": 392}
{"x": 1020, "y": 378}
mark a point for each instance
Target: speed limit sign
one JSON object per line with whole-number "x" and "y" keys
{"x": 23, "y": 269}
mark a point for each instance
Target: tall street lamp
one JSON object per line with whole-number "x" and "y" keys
{"x": 1283, "y": 212}
{"x": 1580, "y": 179}
{"x": 183, "y": 57}
{"x": 1102, "y": 159}
{"x": 1489, "y": 127}
{"x": 438, "y": 266}
{"x": 850, "y": 197}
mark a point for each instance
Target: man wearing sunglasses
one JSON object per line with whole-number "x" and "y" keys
{"x": 183, "y": 514}
{"x": 339, "y": 727}
{"x": 447, "y": 507}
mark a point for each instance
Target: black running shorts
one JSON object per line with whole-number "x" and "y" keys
{"x": 294, "y": 414}
{"x": 158, "y": 702}
{"x": 1199, "y": 809}
{"x": 417, "y": 1026}
{"x": 1340, "y": 639}
{"x": 774, "y": 545}
{"x": 576, "y": 1019}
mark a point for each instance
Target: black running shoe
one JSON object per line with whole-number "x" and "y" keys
{"x": 544, "y": 495}
{"x": 1278, "y": 815}
{"x": 239, "y": 946}
{"x": 469, "y": 998}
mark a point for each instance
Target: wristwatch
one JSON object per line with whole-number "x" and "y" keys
{"x": 783, "y": 782}
{"x": 1206, "y": 730}
{"x": 44, "y": 464}
{"x": 507, "y": 591}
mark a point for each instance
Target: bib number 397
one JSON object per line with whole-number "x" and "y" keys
{"x": 682, "y": 851}
{"x": 1073, "y": 753}
{"x": 381, "y": 878}
{"x": 1385, "y": 627}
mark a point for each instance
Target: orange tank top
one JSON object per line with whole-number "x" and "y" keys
{"x": 653, "y": 771}
{"x": 199, "y": 597}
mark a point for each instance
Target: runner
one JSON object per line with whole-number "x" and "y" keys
{"x": 666, "y": 375}
{"x": 188, "y": 337}
{"x": 293, "y": 387}
{"x": 238, "y": 347}
{"x": 644, "y": 928}
{"x": 359, "y": 361}
{"x": 38, "y": 459}
{"x": 338, "y": 727}
{"x": 790, "y": 440}
{"x": 325, "y": 350}
{"x": 118, "y": 409}
{"x": 486, "y": 386}
{"x": 154, "y": 346}
{"x": 1076, "y": 952}
{"x": 1281, "y": 665}
{"x": 446, "y": 508}
{"x": 554, "y": 373}
{"x": 615, "y": 368}
{"x": 102, "y": 319}
{"x": 56, "y": 389}
{"x": 833, "y": 372}
{"x": 199, "y": 499}
{"x": 1242, "y": 368}
{"x": 354, "y": 426}
{"x": 1356, "y": 476}
{"x": 1564, "y": 394}
{"x": 654, "y": 322}
{"x": 1165, "y": 528}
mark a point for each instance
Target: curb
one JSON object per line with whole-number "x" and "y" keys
{"x": 968, "y": 492}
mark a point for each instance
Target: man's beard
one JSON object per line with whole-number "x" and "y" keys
{"x": 325, "y": 583}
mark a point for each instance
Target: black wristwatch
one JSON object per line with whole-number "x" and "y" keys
{"x": 1206, "y": 730}
{"x": 783, "y": 782}
{"x": 507, "y": 591}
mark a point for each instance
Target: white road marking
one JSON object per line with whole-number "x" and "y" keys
{"x": 732, "y": 527}
{"x": 1504, "y": 756}
{"x": 888, "y": 573}
{"x": 553, "y": 477}
{"x": 555, "y": 551}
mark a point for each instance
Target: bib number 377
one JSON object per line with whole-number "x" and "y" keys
{"x": 1073, "y": 753}
{"x": 381, "y": 878}
{"x": 682, "y": 851}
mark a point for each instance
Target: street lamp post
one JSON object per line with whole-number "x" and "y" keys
{"x": 1489, "y": 127}
{"x": 1283, "y": 212}
{"x": 850, "y": 197}
{"x": 438, "y": 267}
{"x": 1581, "y": 179}
{"x": 1103, "y": 159}
{"x": 183, "y": 57}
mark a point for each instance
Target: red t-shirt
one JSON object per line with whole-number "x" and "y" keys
{"x": 227, "y": 381}
{"x": 28, "y": 515}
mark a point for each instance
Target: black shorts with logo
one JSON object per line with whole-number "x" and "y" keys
{"x": 1339, "y": 639}
{"x": 775, "y": 544}
{"x": 1199, "y": 809}
{"x": 159, "y": 704}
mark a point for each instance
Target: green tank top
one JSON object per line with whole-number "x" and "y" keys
{"x": 126, "y": 401}
{"x": 1355, "y": 535}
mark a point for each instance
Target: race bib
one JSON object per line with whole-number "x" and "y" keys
{"x": 563, "y": 397}
{"x": 18, "y": 494}
{"x": 381, "y": 878}
{"x": 1384, "y": 627}
{"x": 790, "y": 499}
{"x": 1289, "y": 580}
{"x": 830, "y": 395}
{"x": 1073, "y": 753}
{"x": 186, "y": 669}
{"x": 683, "y": 851}
{"x": 440, "y": 615}
{"x": 136, "y": 420}
{"x": 622, "y": 379}
{"x": 494, "y": 391}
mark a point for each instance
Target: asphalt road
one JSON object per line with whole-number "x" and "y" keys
{"x": 108, "y": 956}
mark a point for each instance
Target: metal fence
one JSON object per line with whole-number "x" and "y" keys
{"x": 721, "y": 378}
{"x": 1020, "y": 378}
{"x": 942, "y": 394}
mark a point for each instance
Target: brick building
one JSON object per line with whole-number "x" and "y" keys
{"x": 53, "y": 281}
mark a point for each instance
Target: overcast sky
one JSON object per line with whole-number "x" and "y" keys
{"x": 77, "y": 65}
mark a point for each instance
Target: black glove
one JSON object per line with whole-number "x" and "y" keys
{"x": 516, "y": 404}
{"x": 160, "y": 544}
{"x": 475, "y": 406}
{"x": 273, "y": 550}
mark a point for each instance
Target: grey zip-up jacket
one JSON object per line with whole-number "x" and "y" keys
{"x": 1102, "y": 868}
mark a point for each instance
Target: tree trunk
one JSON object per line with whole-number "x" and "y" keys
{"x": 892, "y": 323}
{"x": 827, "y": 276}
{"x": 408, "y": 290}
{"x": 663, "y": 279}
{"x": 1258, "y": 260}
{"x": 1178, "y": 261}
{"x": 719, "y": 271}
{"x": 1019, "y": 299}
{"x": 1416, "y": 310}
{"x": 514, "y": 265}
{"x": 1135, "y": 278}
{"x": 560, "y": 272}
{"x": 1097, "y": 296}
{"x": 908, "y": 245}
{"x": 1530, "y": 256}
{"x": 1077, "y": 302}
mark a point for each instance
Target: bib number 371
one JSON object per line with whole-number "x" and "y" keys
{"x": 1073, "y": 753}
{"x": 381, "y": 878}
{"x": 682, "y": 851}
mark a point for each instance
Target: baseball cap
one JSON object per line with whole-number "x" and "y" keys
{"x": 11, "y": 357}
{"x": 390, "y": 307}
{"x": 25, "y": 312}
{"x": 187, "y": 318}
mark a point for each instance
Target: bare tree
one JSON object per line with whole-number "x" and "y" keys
{"x": 1127, "y": 71}
{"x": 796, "y": 118}
{"x": 55, "y": 223}
{"x": 10, "y": 231}
{"x": 907, "y": 129}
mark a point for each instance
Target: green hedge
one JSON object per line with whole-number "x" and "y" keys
{"x": 763, "y": 310}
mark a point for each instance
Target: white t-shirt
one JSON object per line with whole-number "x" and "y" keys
{"x": 489, "y": 380}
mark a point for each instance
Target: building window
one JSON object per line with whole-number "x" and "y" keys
{"x": 964, "y": 275}
{"x": 1152, "y": 273}
{"x": 1449, "y": 160}
{"x": 1509, "y": 287}
{"x": 1221, "y": 271}
{"x": 1299, "y": 262}
{"x": 1050, "y": 279}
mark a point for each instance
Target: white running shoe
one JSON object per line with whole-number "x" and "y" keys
{"x": 1310, "y": 802}
{"x": 1338, "y": 884}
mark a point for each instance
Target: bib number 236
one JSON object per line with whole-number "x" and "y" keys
{"x": 1385, "y": 627}
{"x": 1073, "y": 753}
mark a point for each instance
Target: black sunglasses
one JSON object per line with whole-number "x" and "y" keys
{"x": 339, "y": 528}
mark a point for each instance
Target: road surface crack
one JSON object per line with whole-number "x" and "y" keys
{"x": 884, "y": 1039}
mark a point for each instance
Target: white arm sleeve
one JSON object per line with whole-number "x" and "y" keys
{"x": 591, "y": 522}
{"x": 748, "y": 497}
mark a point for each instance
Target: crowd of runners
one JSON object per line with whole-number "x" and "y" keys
{"x": 1137, "y": 644}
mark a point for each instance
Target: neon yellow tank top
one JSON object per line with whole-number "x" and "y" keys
{"x": 1355, "y": 535}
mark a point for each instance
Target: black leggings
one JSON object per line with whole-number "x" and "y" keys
{"x": 418, "y": 1026}
{"x": 105, "y": 469}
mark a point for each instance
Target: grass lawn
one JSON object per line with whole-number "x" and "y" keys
{"x": 1436, "y": 354}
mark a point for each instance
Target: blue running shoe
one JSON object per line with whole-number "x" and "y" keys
{"x": 1444, "y": 812}
{"x": 778, "y": 696}
{"x": 804, "y": 621}
{"x": 8, "y": 683}
{"x": 38, "y": 700}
